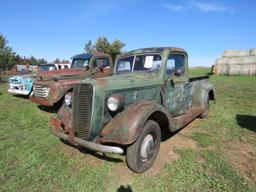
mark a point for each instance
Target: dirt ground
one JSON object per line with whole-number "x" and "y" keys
{"x": 241, "y": 155}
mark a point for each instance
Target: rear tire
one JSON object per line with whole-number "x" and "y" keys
{"x": 143, "y": 152}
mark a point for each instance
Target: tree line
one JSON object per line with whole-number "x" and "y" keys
{"x": 9, "y": 58}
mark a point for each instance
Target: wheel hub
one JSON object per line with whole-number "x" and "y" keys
{"x": 147, "y": 147}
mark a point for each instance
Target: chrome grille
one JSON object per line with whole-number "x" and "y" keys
{"x": 41, "y": 90}
{"x": 82, "y": 109}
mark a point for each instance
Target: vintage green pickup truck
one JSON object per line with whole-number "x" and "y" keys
{"x": 150, "y": 93}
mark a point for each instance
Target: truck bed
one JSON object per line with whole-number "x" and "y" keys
{"x": 201, "y": 77}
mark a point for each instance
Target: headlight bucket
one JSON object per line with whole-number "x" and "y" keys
{"x": 115, "y": 103}
{"x": 68, "y": 99}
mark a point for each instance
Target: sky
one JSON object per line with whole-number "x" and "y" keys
{"x": 60, "y": 28}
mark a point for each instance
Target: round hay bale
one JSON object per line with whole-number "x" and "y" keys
{"x": 221, "y": 61}
{"x": 248, "y": 60}
{"x": 253, "y": 52}
{"x": 233, "y": 69}
{"x": 252, "y": 70}
{"x": 248, "y": 70}
{"x": 244, "y": 53}
{"x": 236, "y": 53}
{"x": 244, "y": 70}
{"x": 229, "y": 53}
{"x": 220, "y": 69}
{"x": 215, "y": 69}
{"x": 236, "y": 60}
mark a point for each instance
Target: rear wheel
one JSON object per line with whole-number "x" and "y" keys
{"x": 143, "y": 152}
{"x": 206, "y": 111}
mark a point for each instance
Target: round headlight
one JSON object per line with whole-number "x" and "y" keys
{"x": 68, "y": 99}
{"x": 113, "y": 103}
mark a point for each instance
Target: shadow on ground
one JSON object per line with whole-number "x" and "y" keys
{"x": 48, "y": 109}
{"x": 246, "y": 121}
{"x": 21, "y": 96}
{"x": 101, "y": 156}
{"x": 124, "y": 189}
{"x": 166, "y": 134}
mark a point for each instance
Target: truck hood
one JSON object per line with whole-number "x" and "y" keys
{"x": 124, "y": 81}
{"x": 22, "y": 78}
{"x": 62, "y": 74}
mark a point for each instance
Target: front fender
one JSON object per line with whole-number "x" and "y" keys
{"x": 125, "y": 127}
{"x": 59, "y": 89}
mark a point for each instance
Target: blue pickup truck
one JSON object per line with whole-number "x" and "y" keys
{"x": 23, "y": 84}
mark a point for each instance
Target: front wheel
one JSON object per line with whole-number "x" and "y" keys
{"x": 143, "y": 152}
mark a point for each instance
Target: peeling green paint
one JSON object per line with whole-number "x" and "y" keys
{"x": 145, "y": 94}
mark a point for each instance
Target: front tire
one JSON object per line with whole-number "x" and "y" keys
{"x": 143, "y": 152}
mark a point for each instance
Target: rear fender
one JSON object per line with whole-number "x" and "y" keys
{"x": 125, "y": 127}
{"x": 201, "y": 95}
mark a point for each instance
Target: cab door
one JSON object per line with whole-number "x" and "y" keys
{"x": 177, "y": 87}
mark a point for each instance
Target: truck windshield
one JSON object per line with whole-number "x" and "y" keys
{"x": 147, "y": 62}
{"x": 79, "y": 63}
{"x": 46, "y": 68}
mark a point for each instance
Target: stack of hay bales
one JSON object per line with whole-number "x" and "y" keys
{"x": 234, "y": 62}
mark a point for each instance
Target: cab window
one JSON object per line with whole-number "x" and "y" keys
{"x": 147, "y": 62}
{"x": 104, "y": 62}
{"x": 175, "y": 62}
{"x": 124, "y": 64}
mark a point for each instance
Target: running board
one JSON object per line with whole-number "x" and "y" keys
{"x": 186, "y": 118}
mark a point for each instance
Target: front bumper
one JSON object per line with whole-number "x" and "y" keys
{"x": 40, "y": 101}
{"x": 18, "y": 91}
{"x": 56, "y": 130}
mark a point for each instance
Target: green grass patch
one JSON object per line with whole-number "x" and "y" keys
{"x": 197, "y": 71}
{"x": 204, "y": 171}
{"x": 203, "y": 139}
{"x": 33, "y": 160}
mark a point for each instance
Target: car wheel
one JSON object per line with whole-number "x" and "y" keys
{"x": 143, "y": 152}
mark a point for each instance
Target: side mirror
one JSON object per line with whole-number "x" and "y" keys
{"x": 177, "y": 72}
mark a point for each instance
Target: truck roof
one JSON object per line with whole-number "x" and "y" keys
{"x": 88, "y": 55}
{"x": 46, "y": 64}
{"x": 154, "y": 50}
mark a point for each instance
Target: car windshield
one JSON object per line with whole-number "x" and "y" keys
{"x": 46, "y": 68}
{"x": 79, "y": 63}
{"x": 146, "y": 62}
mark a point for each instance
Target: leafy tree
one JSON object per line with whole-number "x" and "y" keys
{"x": 116, "y": 48}
{"x": 89, "y": 47}
{"x": 33, "y": 60}
{"x": 57, "y": 60}
{"x": 103, "y": 45}
{"x": 41, "y": 61}
{"x": 65, "y": 61}
{"x": 7, "y": 56}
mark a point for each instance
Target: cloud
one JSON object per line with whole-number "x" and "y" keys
{"x": 201, "y": 6}
{"x": 210, "y": 7}
{"x": 174, "y": 7}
